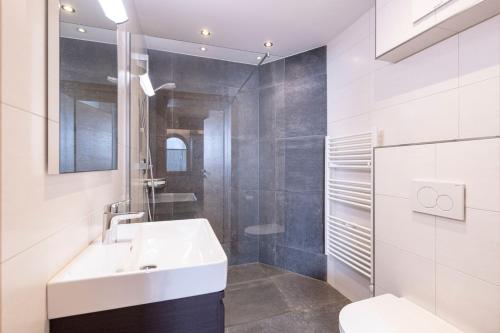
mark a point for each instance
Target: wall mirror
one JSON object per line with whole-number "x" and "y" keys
{"x": 82, "y": 64}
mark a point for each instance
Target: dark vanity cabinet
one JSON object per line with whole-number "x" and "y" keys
{"x": 197, "y": 314}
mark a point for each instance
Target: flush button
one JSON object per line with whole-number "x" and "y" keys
{"x": 445, "y": 203}
{"x": 427, "y": 197}
{"x": 439, "y": 198}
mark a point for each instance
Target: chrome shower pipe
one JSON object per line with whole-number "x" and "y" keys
{"x": 267, "y": 55}
{"x": 149, "y": 160}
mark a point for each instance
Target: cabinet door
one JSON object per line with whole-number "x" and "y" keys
{"x": 422, "y": 8}
{"x": 454, "y": 7}
{"x": 399, "y": 35}
{"x": 395, "y": 26}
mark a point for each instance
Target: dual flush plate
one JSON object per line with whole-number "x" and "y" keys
{"x": 446, "y": 199}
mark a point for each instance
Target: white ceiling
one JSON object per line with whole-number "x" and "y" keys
{"x": 213, "y": 52}
{"x": 70, "y": 30}
{"x": 293, "y": 25}
{"x": 88, "y": 13}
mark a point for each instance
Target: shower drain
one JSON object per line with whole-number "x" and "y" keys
{"x": 148, "y": 267}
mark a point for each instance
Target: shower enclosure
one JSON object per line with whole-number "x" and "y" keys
{"x": 235, "y": 142}
{"x": 201, "y": 141}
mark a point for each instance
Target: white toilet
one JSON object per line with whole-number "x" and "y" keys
{"x": 390, "y": 314}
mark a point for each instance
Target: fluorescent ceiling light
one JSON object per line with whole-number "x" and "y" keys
{"x": 114, "y": 10}
{"x": 146, "y": 85}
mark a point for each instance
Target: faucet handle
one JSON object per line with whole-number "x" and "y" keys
{"x": 118, "y": 217}
{"x": 115, "y": 206}
{"x": 110, "y": 236}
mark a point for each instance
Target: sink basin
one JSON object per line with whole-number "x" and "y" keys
{"x": 151, "y": 262}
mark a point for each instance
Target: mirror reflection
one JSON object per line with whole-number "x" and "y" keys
{"x": 87, "y": 90}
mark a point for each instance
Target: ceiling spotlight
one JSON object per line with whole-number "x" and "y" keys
{"x": 203, "y": 48}
{"x": 268, "y": 44}
{"x": 259, "y": 58}
{"x": 68, "y": 8}
{"x": 205, "y": 32}
{"x": 82, "y": 30}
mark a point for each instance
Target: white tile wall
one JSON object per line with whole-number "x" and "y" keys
{"x": 356, "y": 124}
{"x": 352, "y": 64}
{"x": 479, "y": 52}
{"x": 472, "y": 247}
{"x": 429, "y": 72}
{"x": 467, "y": 252}
{"x": 475, "y": 163}
{"x": 24, "y": 277}
{"x": 347, "y": 280}
{"x": 404, "y": 123}
{"x": 34, "y": 205}
{"x": 397, "y": 224}
{"x": 448, "y": 92}
{"x": 352, "y": 100}
{"x": 395, "y": 168}
{"x": 405, "y": 274}
{"x": 479, "y": 116}
{"x": 469, "y": 303}
{"x": 44, "y": 220}
{"x": 356, "y": 32}
{"x": 23, "y": 30}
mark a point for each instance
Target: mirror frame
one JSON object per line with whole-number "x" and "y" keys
{"x": 53, "y": 58}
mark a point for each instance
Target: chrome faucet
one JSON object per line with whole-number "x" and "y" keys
{"x": 112, "y": 218}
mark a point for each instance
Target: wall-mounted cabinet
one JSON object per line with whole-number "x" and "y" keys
{"x": 405, "y": 27}
{"x": 423, "y": 8}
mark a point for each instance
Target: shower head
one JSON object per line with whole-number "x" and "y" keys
{"x": 112, "y": 79}
{"x": 167, "y": 86}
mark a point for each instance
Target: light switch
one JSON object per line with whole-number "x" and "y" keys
{"x": 439, "y": 198}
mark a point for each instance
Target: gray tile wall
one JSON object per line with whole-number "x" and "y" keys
{"x": 292, "y": 126}
{"x": 276, "y": 164}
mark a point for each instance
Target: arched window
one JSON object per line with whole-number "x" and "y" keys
{"x": 176, "y": 155}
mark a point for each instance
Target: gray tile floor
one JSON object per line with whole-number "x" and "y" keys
{"x": 261, "y": 298}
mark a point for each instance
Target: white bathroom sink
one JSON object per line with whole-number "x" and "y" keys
{"x": 152, "y": 262}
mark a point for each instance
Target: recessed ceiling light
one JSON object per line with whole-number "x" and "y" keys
{"x": 268, "y": 44}
{"x": 68, "y": 8}
{"x": 259, "y": 58}
{"x": 203, "y": 48}
{"x": 82, "y": 30}
{"x": 205, "y": 32}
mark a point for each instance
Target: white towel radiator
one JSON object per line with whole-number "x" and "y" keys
{"x": 347, "y": 241}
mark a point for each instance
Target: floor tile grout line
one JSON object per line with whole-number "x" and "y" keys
{"x": 333, "y": 305}
{"x": 255, "y": 280}
{"x": 259, "y": 320}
